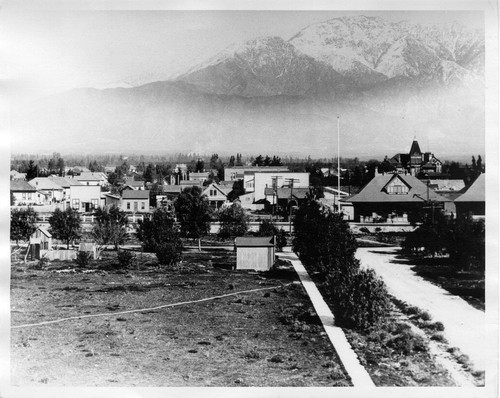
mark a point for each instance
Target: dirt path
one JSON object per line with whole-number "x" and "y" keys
{"x": 464, "y": 325}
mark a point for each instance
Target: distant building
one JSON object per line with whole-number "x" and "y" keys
{"x": 136, "y": 201}
{"x": 198, "y": 177}
{"x": 15, "y": 175}
{"x": 473, "y": 200}
{"x": 392, "y": 197}
{"x": 416, "y": 161}
{"x": 258, "y": 181}
{"x": 89, "y": 178}
{"x": 216, "y": 195}
{"x": 53, "y": 191}
{"x": 85, "y": 198}
{"x": 26, "y": 194}
{"x": 238, "y": 172}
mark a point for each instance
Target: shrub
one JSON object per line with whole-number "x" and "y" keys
{"x": 83, "y": 258}
{"x": 362, "y": 301}
{"x": 267, "y": 228}
{"x": 364, "y": 230}
{"x": 407, "y": 343}
{"x": 168, "y": 253}
{"x": 125, "y": 258}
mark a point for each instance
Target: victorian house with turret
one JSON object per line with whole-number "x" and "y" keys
{"x": 416, "y": 162}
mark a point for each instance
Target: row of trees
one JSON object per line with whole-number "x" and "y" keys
{"x": 326, "y": 246}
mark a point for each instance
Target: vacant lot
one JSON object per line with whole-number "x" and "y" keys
{"x": 265, "y": 338}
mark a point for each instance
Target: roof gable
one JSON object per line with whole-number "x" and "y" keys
{"x": 374, "y": 191}
{"x": 476, "y": 192}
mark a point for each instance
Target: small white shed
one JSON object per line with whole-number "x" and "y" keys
{"x": 255, "y": 253}
{"x": 40, "y": 243}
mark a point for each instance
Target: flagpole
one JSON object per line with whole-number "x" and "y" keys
{"x": 338, "y": 163}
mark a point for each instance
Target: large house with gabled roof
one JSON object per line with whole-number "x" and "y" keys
{"x": 394, "y": 196}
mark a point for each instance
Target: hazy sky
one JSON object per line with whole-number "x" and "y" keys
{"x": 48, "y": 51}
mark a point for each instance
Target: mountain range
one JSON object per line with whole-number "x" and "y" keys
{"x": 387, "y": 81}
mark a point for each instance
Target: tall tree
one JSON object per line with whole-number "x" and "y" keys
{"x": 193, "y": 213}
{"x": 110, "y": 227}
{"x": 32, "y": 171}
{"x": 60, "y": 166}
{"x": 200, "y": 166}
{"x": 259, "y": 161}
{"x": 233, "y": 221}
{"x": 22, "y": 224}
{"x": 157, "y": 230}
{"x": 65, "y": 225}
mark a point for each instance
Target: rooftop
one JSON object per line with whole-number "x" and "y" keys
{"x": 133, "y": 194}
{"x": 21, "y": 185}
{"x": 374, "y": 191}
{"x": 250, "y": 241}
{"x": 476, "y": 192}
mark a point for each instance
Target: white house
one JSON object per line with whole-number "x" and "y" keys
{"x": 217, "y": 196}
{"x": 65, "y": 184}
{"x": 26, "y": 194}
{"x": 85, "y": 198}
{"x": 136, "y": 201}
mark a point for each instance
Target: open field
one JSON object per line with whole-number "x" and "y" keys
{"x": 269, "y": 337}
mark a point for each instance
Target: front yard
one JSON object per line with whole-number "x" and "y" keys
{"x": 270, "y": 337}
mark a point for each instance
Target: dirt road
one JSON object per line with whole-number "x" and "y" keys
{"x": 464, "y": 325}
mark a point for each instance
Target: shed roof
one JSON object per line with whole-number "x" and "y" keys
{"x": 476, "y": 192}
{"x": 133, "y": 194}
{"x": 254, "y": 241}
{"x": 374, "y": 191}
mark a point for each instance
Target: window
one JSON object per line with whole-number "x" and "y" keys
{"x": 95, "y": 203}
{"x": 76, "y": 204}
{"x": 128, "y": 205}
{"x": 397, "y": 189}
{"x": 24, "y": 195}
{"x": 135, "y": 206}
{"x": 143, "y": 206}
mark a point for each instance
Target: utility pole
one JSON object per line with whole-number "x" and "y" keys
{"x": 274, "y": 180}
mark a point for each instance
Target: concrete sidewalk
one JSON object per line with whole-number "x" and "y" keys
{"x": 358, "y": 374}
